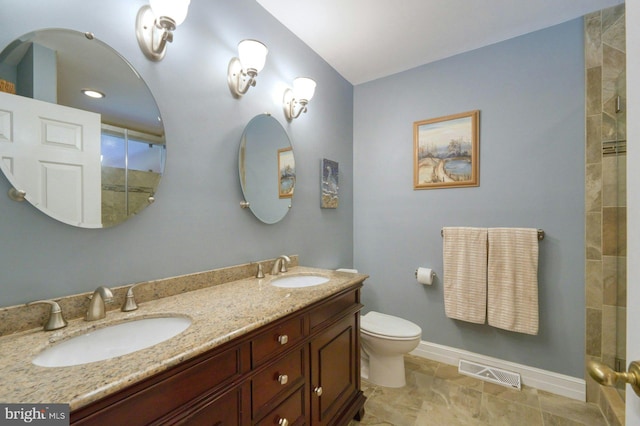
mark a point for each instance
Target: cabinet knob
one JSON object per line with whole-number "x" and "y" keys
{"x": 283, "y": 339}
{"x": 283, "y": 422}
{"x": 283, "y": 379}
{"x": 318, "y": 390}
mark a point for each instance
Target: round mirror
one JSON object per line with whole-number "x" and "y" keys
{"x": 81, "y": 136}
{"x": 267, "y": 168}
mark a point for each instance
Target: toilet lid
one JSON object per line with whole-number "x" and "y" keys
{"x": 388, "y": 325}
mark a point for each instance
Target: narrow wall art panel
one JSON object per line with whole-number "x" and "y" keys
{"x": 329, "y": 178}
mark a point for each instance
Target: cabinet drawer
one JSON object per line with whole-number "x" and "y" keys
{"x": 150, "y": 401}
{"x": 328, "y": 311}
{"x": 276, "y": 380}
{"x": 291, "y": 410}
{"x": 276, "y": 340}
{"x": 225, "y": 410}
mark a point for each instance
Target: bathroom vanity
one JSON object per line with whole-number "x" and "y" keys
{"x": 270, "y": 356}
{"x": 302, "y": 369}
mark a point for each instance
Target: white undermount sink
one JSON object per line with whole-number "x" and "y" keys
{"x": 111, "y": 341}
{"x": 298, "y": 281}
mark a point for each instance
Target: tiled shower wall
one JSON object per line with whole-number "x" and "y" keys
{"x": 605, "y": 184}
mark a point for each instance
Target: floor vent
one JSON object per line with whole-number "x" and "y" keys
{"x": 490, "y": 374}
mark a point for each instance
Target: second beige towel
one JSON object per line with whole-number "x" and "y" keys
{"x": 465, "y": 273}
{"x": 512, "y": 282}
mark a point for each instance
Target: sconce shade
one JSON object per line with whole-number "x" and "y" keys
{"x": 243, "y": 70}
{"x": 295, "y": 100}
{"x": 174, "y": 9}
{"x": 303, "y": 88}
{"x": 252, "y": 55}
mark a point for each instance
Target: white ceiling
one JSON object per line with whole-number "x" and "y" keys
{"x": 369, "y": 39}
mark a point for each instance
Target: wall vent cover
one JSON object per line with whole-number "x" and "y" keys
{"x": 490, "y": 374}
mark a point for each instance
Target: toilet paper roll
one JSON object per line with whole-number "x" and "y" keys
{"x": 425, "y": 276}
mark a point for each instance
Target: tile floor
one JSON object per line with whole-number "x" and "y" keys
{"x": 437, "y": 395}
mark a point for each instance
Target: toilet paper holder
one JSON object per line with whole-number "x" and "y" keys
{"x": 425, "y": 275}
{"x": 416, "y": 273}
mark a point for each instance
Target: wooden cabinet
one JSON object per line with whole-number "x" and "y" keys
{"x": 303, "y": 369}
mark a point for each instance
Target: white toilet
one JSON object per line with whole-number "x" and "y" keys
{"x": 385, "y": 339}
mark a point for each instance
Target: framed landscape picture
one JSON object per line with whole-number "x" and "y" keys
{"x": 286, "y": 173}
{"x": 446, "y": 151}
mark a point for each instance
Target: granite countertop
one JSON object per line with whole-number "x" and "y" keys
{"x": 219, "y": 313}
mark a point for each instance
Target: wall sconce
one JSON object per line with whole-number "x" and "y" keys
{"x": 243, "y": 70}
{"x": 299, "y": 97}
{"x": 155, "y": 25}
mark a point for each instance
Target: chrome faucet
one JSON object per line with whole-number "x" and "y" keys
{"x": 97, "y": 309}
{"x": 56, "y": 320}
{"x": 280, "y": 265}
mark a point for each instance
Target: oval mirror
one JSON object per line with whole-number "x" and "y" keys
{"x": 81, "y": 136}
{"x": 267, "y": 168}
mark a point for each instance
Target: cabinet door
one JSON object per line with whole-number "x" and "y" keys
{"x": 334, "y": 372}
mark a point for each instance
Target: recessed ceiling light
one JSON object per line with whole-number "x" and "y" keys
{"x": 93, "y": 93}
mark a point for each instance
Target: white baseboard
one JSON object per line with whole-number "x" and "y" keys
{"x": 559, "y": 384}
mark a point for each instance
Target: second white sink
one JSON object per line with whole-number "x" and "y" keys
{"x": 297, "y": 281}
{"x": 111, "y": 341}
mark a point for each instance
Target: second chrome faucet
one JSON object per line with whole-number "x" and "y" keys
{"x": 280, "y": 265}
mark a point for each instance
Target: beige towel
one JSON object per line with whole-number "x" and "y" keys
{"x": 512, "y": 281}
{"x": 465, "y": 273}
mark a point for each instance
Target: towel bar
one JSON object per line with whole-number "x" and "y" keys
{"x": 540, "y": 234}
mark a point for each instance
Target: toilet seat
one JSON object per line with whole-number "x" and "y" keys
{"x": 388, "y": 327}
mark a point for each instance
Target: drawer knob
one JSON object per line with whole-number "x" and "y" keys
{"x": 283, "y": 422}
{"x": 283, "y": 379}
{"x": 283, "y": 339}
{"x": 318, "y": 391}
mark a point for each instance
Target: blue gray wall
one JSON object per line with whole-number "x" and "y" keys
{"x": 531, "y": 97}
{"x": 196, "y": 223}
{"x": 530, "y": 93}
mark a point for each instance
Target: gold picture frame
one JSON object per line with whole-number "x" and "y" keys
{"x": 446, "y": 151}
{"x": 286, "y": 173}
